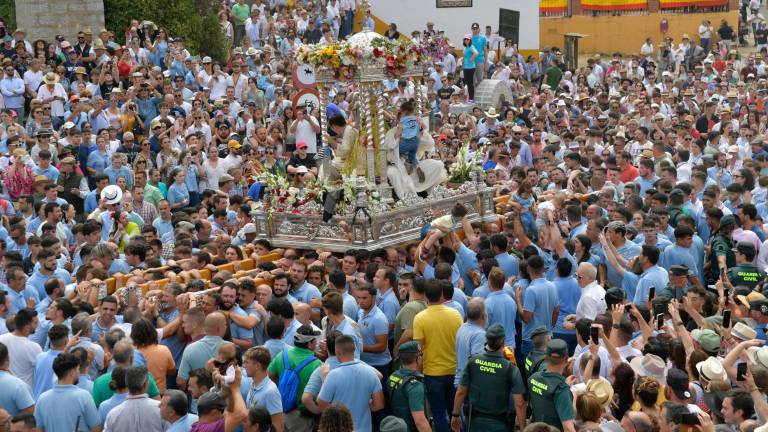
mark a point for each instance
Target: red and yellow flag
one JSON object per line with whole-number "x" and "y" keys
{"x": 552, "y": 6}
{"x": 672, "y": 4}
{"x": 614, "y": 5}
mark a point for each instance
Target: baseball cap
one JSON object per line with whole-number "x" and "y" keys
{"x": 540, "y": 330}
{"x": 727, "y": 220}
{"x": 745, "y": 248}
{"x": 234, "y": 144}
{"x": 210, "y": 401}
{"x": 306, "y": 333}
{"x": 249, "y": 228}
{"x": 677, "y": 381}
{"x": 679, "y": 270}
{"x": 225, "y": 178}
{"x": 495, "y": 331}
{"x": 557, "y": 348}
{"x": 301, "y": 144}
{"x": 186, "y": 225}
{"x": 708, "y": 339}
{"x": 475, "y": 26}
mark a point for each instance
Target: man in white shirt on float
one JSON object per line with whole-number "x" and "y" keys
{"x": 306, "y": 128}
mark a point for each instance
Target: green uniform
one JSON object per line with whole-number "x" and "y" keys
{"x": 406, "y": 394}
{"x": 745, "y": 275}
{"x": 672, "y": 293}
{"x": 721, "y": 245}
{"x": 535, "y": 362}
{"x": 490, "y": 379}
{"x": 551, "y": 398}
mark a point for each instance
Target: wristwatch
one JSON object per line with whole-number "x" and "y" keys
{"x": 455, "y": 415}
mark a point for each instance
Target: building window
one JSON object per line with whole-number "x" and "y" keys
{"x": 453, "y": 3}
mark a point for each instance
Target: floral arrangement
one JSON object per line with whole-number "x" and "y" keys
{"x": 345, "y": 57}
{"x": 434, "y": 47}
{"x": 464, "y": 164}
{"x": 281, "y": 197}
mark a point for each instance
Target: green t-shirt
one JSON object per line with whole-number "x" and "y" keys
{"x": 554, "y": 74}
{"x": 102, "y": 392}
{"x": 406, "y": 395}
{"x": 241, "y": 12}
{"x": 295, "y": 356}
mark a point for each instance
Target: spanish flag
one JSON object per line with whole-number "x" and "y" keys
{"x": 672, "y": 4}
{"x": 551, "y": 6}
{"x": 614, "y": 5}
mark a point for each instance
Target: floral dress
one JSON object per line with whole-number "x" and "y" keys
{"x": 20, "y": 183}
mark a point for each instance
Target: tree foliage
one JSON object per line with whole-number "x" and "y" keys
{"x": 194, "y": 20}
{"x": 8, "y": 14}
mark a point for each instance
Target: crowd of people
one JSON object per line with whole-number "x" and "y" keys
{"x": 622, "y": 288}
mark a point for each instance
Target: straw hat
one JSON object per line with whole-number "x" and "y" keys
{"x": 51, "y": 78}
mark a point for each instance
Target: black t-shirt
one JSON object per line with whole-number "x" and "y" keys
{"x": 308, "y": 161}
{"x": 445, "y": 92}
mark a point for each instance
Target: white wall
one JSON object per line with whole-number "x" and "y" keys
{"x": 410, "y": 15}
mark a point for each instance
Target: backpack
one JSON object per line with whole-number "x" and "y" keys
{"x": 289, "y": 381}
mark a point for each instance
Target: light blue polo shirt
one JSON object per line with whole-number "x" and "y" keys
{"x": 110, "y": 403}
{"x": 123, "y": 171}
{"x": 466, "y": 259}
{"x": 59, "y": 409}
{"x": 654, "y": 276}
{"x": 337, "y": 388}
{"x": 540, "y": 298}
{"x": 389, "y": 305}
{"x": 470, "y": 340}
{"x": 628, "y": 251}
{"x": 38, "y": 280}
{"x": 678, "y": 255}
{"x": 568, "y": 295}
{"x": 97, "y": 365}
{"x": 197, "y": 354}
{"x": 98, "y": 161}
{"x": 457, "y": 307}
{"x": 44, "y": 377}
{"x": 373, "y": 324}
{"x": 183, "y": 424}
{"x": 18, "y": 300}
{"x": 502, "y": 310}
{"x": 163, "y": 227}
{"x": 119, "y": 266}
{"x": 177, "y": 194}
{"x": 275, "y": 346}
{"x": 306, "y": 293}
{"x": 352, "y": 329}
{"x": 509, "y": 264}
{"x": 290, "y": 331}
{"x": 51, "y": 172}
{"x": 264, "y": 394}
{"x": 15, "y": 395}
{"x": 315, "y": 380}
{"x": 350, "y": 306}
{"x": 237, "y": 331}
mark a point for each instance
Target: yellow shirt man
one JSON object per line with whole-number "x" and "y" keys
{"x": 435, "y": 329}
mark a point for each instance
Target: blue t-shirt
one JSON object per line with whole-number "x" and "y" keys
{"x": 373, "y": 324}
{"x": 63, "y": 407}
{"x": 470, "y": 340}
{"x": 410, "y": 126}
{"x": 480, "y": 42}
{"x": 178, "y": 194}
{"x": 468, "y": 53}
{"x": 337, "y": 388}
{"x": 502, "y": 310}
{"x": 569, "y": 293}
{"x": 15, "y": 395}
{"x": 540, "y": 298}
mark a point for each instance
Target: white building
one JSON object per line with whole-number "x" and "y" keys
{"x": 518, "y": 18}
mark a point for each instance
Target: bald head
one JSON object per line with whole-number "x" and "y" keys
{"x": 476, "y": 310}
{"x": 586, "y": 274}
{"x": 122, "y": 354}
{"x": 303, "y": 312}
{"x": 215, "y": 324}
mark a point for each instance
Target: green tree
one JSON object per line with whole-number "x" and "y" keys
{"x": 194, "y": 20}
{"x": 8, "y": 14}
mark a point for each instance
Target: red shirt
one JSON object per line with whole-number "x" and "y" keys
{"x": 628, "y": 174}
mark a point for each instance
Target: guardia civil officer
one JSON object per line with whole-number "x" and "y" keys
{"x": 406, "y": 389}
{"x": 487, "y": 382}
{"x": 551, "y": 398}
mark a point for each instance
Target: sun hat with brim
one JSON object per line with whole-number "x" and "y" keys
{"x": 112, "y": 194}
{"x": 50, "y": 78}
{"x": 712, "y": 370}
{"x": 602, "y": 389}
{"x": 753, "y": 296}
{"x": 41, "y": 179}
{"x": 491, "y": 113}
{"x": 743, "y": 332}
{"x": 758, "y": 355}
{"x": 708, "y": 339}
{"x": 649, "y": 365}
